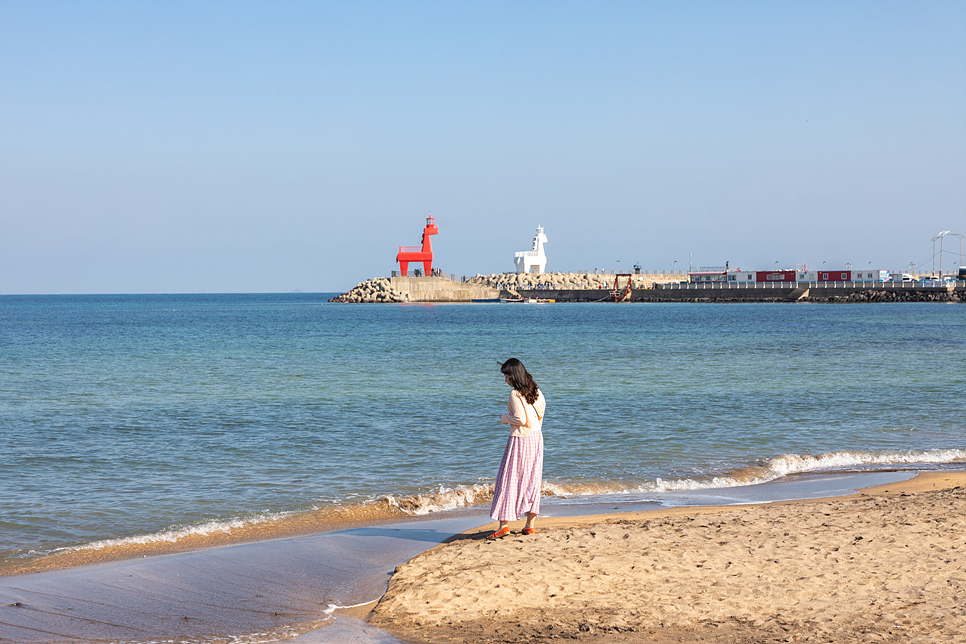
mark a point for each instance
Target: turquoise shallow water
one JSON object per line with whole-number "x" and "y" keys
{"x": 125, "y": 416}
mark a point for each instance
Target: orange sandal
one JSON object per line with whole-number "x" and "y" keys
{"x": 527, "y": 531}
{"x": 502, "y": 532}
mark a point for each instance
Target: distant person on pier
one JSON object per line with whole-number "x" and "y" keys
{"x": 518, "y": 482}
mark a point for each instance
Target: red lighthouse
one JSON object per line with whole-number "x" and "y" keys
{"x": 422, "y": 253}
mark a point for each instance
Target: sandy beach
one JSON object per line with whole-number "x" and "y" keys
{"x": 885, "y": 565}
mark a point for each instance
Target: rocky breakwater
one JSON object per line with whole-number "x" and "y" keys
{"x": 891, "y": 296}
{"x": 510, "y": 282}
{"x": 372, "y": 291}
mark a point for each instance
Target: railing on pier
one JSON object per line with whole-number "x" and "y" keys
{"x": 890, "y": 286}
{"x": 436, "y": 273}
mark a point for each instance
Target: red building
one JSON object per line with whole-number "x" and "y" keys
{"x": 833, "y": 276}
{"x": 775, "y": 276}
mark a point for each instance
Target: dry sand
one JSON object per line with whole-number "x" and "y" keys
{"x": 886, "y": 565}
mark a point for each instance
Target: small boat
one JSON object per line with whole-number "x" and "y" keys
{"x": 507, "y": 300}
{"x": 494, "y": 299}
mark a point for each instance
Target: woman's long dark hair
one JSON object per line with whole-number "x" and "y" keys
{"x": 520, "y": 379}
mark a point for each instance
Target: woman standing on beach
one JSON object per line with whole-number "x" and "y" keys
{"x": 517, "y": 489}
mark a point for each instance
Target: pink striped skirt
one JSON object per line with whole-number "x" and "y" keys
{"x": 517, "y": 489}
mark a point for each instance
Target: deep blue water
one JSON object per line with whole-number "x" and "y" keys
{"x": 134, "y": 415}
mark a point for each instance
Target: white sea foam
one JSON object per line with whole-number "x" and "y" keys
{"x": 442, "y": 499}
{"x": 788, "y": 464}
{"x": 175, "y": 535}
{"x": 794, "y": 464}
{"x": 331, "y": 608}
{"x": 462, "y": 496}
{"x": 445, "y": 498}
{"x": 281, "y": 634}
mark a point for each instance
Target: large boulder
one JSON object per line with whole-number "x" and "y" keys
{"x": 375, "y": 290}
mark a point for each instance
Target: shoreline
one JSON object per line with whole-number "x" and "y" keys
{"x": 291, "y": 585}
{"x": 920, "y": 482}
{"x": 884, "y": 564}
{"x": 157, "y": 545}
{"x": 368, "y": 514}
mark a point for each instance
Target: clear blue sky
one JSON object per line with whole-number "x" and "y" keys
{"x": 274, "y": 146}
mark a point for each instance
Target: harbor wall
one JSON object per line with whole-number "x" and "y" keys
{"x": 440, "y": 289}
{"x": 777, "y": 292}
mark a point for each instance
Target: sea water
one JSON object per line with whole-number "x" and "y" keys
{"x": 148, "y": 419}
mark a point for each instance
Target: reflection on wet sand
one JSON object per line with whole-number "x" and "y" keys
{"x": 266, "y": 591}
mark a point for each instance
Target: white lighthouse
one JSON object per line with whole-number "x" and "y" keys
{"x": 535, "y": 259}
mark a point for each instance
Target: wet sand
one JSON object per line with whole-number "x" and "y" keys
{"x": 265, "y": 592}
{"x": 885, "y": 565}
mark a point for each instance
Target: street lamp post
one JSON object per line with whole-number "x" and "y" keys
{"x": 940, "y": 238}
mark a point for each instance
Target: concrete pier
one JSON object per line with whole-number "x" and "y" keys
{"x": 441, "y": 289}
{"x": 769, "y": 292}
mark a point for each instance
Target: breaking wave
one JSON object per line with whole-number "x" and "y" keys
{"x": 443, "y": 499}
{"x": 791, "y": 464}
